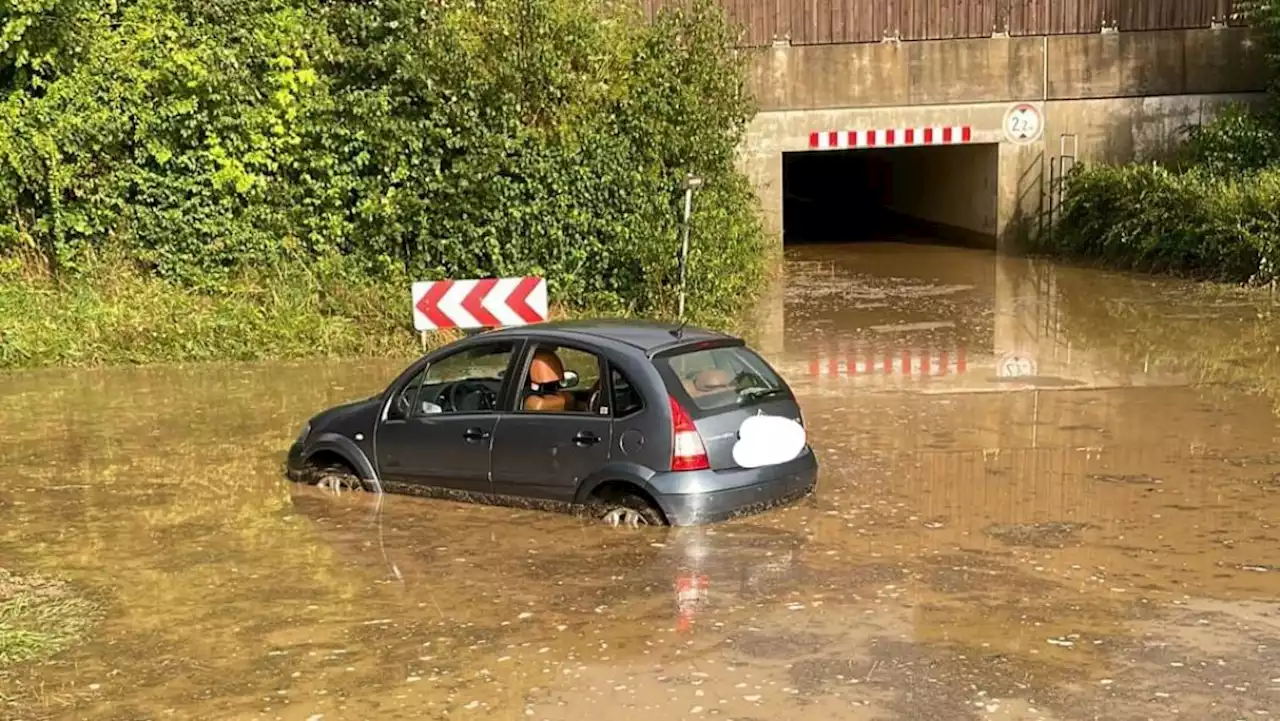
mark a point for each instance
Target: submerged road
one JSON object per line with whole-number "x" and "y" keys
{"x": 1046, "y": 493}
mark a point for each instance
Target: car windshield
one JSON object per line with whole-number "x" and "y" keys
{"x": 719, "y": 378}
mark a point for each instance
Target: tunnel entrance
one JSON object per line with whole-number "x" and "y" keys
{"x": 933, "y": 194}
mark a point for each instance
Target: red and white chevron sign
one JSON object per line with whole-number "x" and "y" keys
{"x": 485, "y": 303}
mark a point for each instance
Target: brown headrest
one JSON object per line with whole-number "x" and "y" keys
{"x": 712, "y": 379}
{"x": 546, "y": 368}
{"x": 550, "y": 403}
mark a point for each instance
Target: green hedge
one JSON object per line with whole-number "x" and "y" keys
{"x": 1150, "y": 218}
{"x": 205, "y": 140}
{"x": 1238, "y": 140}
{"x": 1213, "y": 213}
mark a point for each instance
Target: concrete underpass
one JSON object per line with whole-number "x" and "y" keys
{"x": 945, "y": 193}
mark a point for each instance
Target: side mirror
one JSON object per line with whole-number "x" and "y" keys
{"x": 570, "y": 380}
{"x": 429, "y": 408}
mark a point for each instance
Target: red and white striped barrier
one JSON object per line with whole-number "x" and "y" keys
{"x": 891, "y": 137}
{"x": 907, "y": 363}
{"x": 483, "y": 303}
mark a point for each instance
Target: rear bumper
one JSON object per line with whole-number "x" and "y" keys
{"x": 696, "y": 497}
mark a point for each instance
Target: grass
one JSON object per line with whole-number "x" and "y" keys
{"x": 39, "y": 617}
{"x": 110, "y": 314}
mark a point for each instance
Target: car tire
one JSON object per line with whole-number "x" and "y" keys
{"x": 628, "y": 510}
{"x": 336, "y": 478}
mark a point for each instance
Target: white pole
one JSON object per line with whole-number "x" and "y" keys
{"x": 684, "y": 246}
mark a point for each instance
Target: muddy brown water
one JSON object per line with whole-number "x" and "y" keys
{"x": 1076, "y": 521}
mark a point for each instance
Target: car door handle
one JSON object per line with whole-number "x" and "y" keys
{"x": 586, "y": 438}
{"x": 475, "y": 434}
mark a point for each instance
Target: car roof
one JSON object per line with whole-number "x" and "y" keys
{"x": 645, "y": 335}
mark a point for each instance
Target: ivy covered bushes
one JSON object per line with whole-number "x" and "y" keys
{"x": 221, "y": 148}
{"x": 1214, "y": 214}
{"x": 1193, "y": 222}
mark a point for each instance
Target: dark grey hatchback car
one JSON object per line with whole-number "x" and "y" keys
{"x": 631, "y": 422}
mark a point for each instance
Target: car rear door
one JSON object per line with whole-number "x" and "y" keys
{"x": 545, "y": 454}
{"x": 721, "y": 386}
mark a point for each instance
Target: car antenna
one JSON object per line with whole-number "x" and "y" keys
{"x": 679, "y": 331}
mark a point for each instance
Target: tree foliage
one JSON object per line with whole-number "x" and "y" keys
{"x": 1217, "y": 216}
{"x": 384, "y": 138}
{"x": 1237, "y": 141}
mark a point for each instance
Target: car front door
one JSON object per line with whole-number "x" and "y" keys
{"x": 559, "y": 432}
{"x": 438, "y": 428}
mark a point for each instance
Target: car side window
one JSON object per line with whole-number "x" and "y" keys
{"x": 403, "y": 403}
{"x": 626, "y": 399}
{"x": 562, "y": 379}
{"x": 469, "y": 381}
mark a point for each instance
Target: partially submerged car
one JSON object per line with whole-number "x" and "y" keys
{"x": 632, "y": 422}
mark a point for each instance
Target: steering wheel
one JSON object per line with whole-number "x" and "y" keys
{"x": 593, "y": 401}
{"x": 404, "y": 403}
{"x": 463, "y": 388}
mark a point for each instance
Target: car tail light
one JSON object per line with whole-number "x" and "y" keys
{"x": 688, "y": 453}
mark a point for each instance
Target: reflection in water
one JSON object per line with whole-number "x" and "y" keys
{"x": 1084, "y": 532}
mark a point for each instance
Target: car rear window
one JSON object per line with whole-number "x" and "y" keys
{"x": 720, "y": 378}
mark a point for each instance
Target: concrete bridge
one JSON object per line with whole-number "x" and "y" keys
{"x": 953, "y": 117}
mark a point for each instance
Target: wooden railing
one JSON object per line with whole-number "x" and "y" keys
{"x": 824, "y": 22}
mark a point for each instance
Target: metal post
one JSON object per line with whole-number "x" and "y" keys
{"x": 684, "y": 247}
{"x": 1035, "y": 420}
{"x": 1066, "y": 162}
{"x": 1052, "y": 190}
{"x": 690, "y": 184}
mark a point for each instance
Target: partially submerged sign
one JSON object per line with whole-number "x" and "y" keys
{"x": 1016, "y": 366}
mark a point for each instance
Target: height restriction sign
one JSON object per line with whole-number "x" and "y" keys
{"x": 1023, "y": 123}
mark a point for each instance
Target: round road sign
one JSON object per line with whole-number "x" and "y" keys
{"x": 1023, "y": 123}
{"x": 1016, "y": 366}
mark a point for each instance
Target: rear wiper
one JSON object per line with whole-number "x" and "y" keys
{"x": 755, "y": 393}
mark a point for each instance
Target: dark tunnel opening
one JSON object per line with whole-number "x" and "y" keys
{"x": 934, "y": 194}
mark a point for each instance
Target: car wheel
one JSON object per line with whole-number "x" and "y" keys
{"x": 629, "y": 511}
{"x": 337, "y": 479}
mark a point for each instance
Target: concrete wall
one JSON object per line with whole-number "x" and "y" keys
{"x": 954, "y": 187}
{"x": 1064, "y": 67}
{"x": 1123, "y": 96}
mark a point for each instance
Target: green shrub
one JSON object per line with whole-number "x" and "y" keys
{"x": 1146, "y": 217}
{"x": 1238, "y": 140}
{"x": 208, "y": 142}
{"x": 1218, "y": 217}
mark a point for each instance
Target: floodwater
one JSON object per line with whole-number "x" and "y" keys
{"x": 1046, "y": 493}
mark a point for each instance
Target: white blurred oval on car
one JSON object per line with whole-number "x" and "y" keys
{"x": 768, "y": 440}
